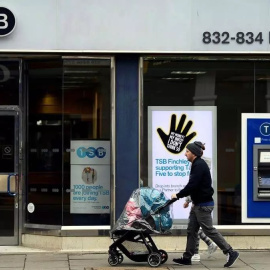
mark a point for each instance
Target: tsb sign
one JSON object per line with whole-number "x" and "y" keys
{"x": 7, "y": 22}
{"x": 91, "y": 152}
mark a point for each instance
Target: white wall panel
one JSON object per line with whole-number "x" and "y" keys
{"x": 36, "y": 25}
{"x": 121, "y": 25}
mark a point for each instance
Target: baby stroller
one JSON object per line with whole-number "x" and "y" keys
{"x": 147, "y": 212}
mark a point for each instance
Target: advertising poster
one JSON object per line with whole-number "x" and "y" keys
{"x": 170, "y": 130}
{"x": 90, "y": 177}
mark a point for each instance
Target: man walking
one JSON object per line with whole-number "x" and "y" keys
{"x": 199, "y": 188}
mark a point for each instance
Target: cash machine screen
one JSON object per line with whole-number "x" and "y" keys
{"x": 265, "y": 181}
{"x": 264, "y": 168}
{"x": 265, "y": 157}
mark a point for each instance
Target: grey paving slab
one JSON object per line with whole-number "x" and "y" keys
{"x": 11, "y": 264}
{"x": 260, "y": 266}
{"x": 4, "y": 257}
{"x": 41, "y": 268}
{"x": 46, "y": 264}
{"x": 47, "y": 257}
{"x": 87, "y": 256}
{"x": 74, "y": 263}
{"x": 259, "y": 256}
{"x": 4, "y": 268}
{"x": 81, "y": 261}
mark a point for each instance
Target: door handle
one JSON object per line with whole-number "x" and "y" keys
{"x": 8, "y": 184}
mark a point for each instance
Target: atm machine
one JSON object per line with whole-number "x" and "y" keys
{"x": 261, "y": 172}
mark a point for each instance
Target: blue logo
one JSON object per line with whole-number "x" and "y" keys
{"x": 91, "y": 152}
{"x": 265, "y": 129}
{"x": 105, "y": 207}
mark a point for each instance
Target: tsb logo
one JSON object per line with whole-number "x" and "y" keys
{"x": 7, "y": 22}
{"x": 91, "y": 152}
{"x": 265, "y": 129}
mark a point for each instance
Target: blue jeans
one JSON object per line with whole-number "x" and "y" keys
{"x": 200, "y": 216}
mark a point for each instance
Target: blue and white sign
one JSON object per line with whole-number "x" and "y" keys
{"x": 90, "y": 177}
{"x": 255, "y": 135}
{"x": 94, "y": 152}
{"x": 265, "y": 129}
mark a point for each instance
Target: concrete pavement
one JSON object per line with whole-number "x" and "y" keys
{"x": 20, "y": 258}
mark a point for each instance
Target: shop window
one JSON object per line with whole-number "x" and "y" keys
{"x": 44, "y": 141}
{"x": 68, "y": 101}
{"x": 226, "y": 85}
{"x": 86, "y": 97}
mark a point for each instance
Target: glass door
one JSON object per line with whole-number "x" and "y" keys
{"x": 10, "y": 157}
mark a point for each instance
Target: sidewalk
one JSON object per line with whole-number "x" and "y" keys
{"x": 20, "y": 258}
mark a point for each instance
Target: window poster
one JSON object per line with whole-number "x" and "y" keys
{"x": 170, "y": 129}
{"x": 90, "y": 177}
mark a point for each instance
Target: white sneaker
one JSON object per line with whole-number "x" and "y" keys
{"x": 196, "y": 258}
{"x": 212, "y": 248}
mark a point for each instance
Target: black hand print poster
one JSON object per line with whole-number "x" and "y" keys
{"x": 170, "y": 130}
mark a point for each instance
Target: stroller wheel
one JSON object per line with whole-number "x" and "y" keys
{"x": 164, "y": 255}
{"x": 154, "y": 259}
{"x": 120, "y": 258}
{"x": 113, "y": 260}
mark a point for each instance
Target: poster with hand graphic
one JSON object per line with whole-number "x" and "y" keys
{"x": 170, "y": 129}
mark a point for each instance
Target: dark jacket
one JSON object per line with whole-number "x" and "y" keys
{"x": 199, "y": 186}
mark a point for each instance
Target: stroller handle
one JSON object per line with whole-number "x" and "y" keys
{"x": 169, "y": 202}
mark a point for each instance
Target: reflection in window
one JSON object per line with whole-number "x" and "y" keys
{"x": 9, "y": 82}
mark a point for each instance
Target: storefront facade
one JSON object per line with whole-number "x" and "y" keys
{"x": 79, "y": 87}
